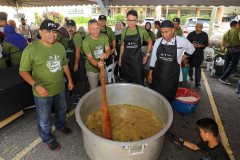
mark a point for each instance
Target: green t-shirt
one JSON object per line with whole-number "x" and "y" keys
{"x": 15, "y": 53}
{"x": 46, "y": 64}
{"x": 143, "y": 33}
{"x": 152, "y": 35}
{"x": 233, "y": 39}
{"x": 77, "y": 40}
{"x": 63, "y": 40}
{"x": 110, "y": 33}
{"x": 94, "y": 47}
{"x": 178, "y": 32}
{"x": 2, "y": 63}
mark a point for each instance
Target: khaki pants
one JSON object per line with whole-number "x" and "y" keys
{"x": 93, "y": 79}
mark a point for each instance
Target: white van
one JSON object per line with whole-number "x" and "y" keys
{"x": 190, "y": 23}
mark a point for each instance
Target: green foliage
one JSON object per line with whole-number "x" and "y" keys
{"x": 81, "y": 19}
{"x": 37, "y": 19}
{"x": 119, "y": 17}
{"x": 204, "y": 16}
{"x": 172, "y": 16}
{"x": 111, "y": 21}
{"x": 184, "y": 18}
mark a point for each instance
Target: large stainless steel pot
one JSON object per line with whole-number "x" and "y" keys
{"x": 99, "y": 148}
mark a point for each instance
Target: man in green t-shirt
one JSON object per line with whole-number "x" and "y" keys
{"x": 102, "y": 20}
{"x": 96, "y": 47}
{"x": 231, "y": 40}
{"x": 76, "y": 59}
{"x": 131, "y": 58}
{"x": 178, "y": 30}
{"x": 3, "y": 23}
{"x": 47, "y": 61}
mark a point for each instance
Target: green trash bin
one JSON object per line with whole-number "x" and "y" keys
{"x": 185, "y": 73}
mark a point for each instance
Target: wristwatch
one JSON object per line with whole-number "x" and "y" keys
{"x": 35, "y": 85}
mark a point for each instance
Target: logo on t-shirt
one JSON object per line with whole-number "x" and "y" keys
{"x": 98, "y": 51}
{"x": 54, "y": 64}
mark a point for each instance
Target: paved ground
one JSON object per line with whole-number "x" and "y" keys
{"x": 20, "y": 140}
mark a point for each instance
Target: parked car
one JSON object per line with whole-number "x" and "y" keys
{"x": 236, "y": 18}
{"x": 190, "y": 23}
{"x": 151, "y": 20}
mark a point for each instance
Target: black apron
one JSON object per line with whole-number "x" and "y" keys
{"x": 165, "y": 76}
{"x": 197, "y": 57}
{"x": 118, "y": 44}
{"x": 80, "y": 75}
{"x": 131, "y": 62}
{"x": 109, "y": 60}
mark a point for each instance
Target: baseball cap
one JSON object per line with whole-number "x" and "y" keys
{"x": 71, "y": 23}
{"x": 66, "y": 18}
{"x": 176, "y": 20}
{"x": 48, "y": 25}
{"x": 3, "y": 16}
{"x": 102, "y": 17}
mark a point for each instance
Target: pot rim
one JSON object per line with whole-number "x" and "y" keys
{"x": 154, "y": 137}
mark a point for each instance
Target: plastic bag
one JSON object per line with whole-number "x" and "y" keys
{"x": 219, "y": 61}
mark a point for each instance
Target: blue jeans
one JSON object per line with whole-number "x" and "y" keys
{"x": 228, "y": 68}
{"x": 238, "y": 87}
{"x": 43, "y": 109}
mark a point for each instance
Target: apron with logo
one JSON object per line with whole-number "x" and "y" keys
{"x": 166, "y": 72}
{"x": 131, "y": 62}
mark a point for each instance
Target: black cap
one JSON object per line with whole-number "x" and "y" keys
{"x": 166, "y": 24}
{"x": 71, "y": 23}
{"x": 101, "y": 17}
{"x": 3, "y": 16}
{"x": 48, "y": 25}
{"x": 176, "y": 20}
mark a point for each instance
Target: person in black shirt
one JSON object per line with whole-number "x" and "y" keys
{"x": 209, "y": 132}
{"x": 199, "y": 39}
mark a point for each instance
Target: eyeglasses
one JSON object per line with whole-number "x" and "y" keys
{"x": 131, "y": 21}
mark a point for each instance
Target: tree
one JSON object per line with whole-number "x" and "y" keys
{"x": 119, "y": 17}
{"x": 172, "y": 16}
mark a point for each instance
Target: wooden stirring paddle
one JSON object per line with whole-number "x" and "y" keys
{"x": 106, "y": 121}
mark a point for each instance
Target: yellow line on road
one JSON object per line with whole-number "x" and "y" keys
{"x": 218, "y": 119}
{"x": 34, "y": 143}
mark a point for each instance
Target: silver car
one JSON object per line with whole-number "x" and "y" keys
{"x": 190, "y": 23}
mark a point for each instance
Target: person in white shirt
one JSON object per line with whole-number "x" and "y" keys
{"x": 168, "y": 52}
{"x": 25, "y": 30}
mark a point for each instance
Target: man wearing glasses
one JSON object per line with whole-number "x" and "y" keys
{"x": 131, "y": 58}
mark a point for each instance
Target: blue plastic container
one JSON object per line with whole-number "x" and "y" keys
{"x": 182, "y": 106}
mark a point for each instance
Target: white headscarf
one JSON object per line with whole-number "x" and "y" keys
{"x": 117, "y": 32}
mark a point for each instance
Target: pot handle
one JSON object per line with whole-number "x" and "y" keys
{"x": 135, "y": 150}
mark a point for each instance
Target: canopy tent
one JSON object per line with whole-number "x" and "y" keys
{"x": 42, "y": 3}
{"x": 175, "y": 2}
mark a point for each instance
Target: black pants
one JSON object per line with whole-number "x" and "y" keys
{"x": 197, "y": 73}
{"x": 231, "y": 62}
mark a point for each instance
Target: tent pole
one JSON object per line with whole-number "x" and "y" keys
{"x": 47, "y": 14}
{"x": 167, "y": 12}
{"x": 212, "y": 22}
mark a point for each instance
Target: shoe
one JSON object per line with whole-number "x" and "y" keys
{"x": 197, "y": 84}
{"x": 66, "y": 131}
{"x": 190, "y": 78}
{"x": 225, "y": 81}
{"x": 76, "y": 101}
{"x": 54, "y": 145}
